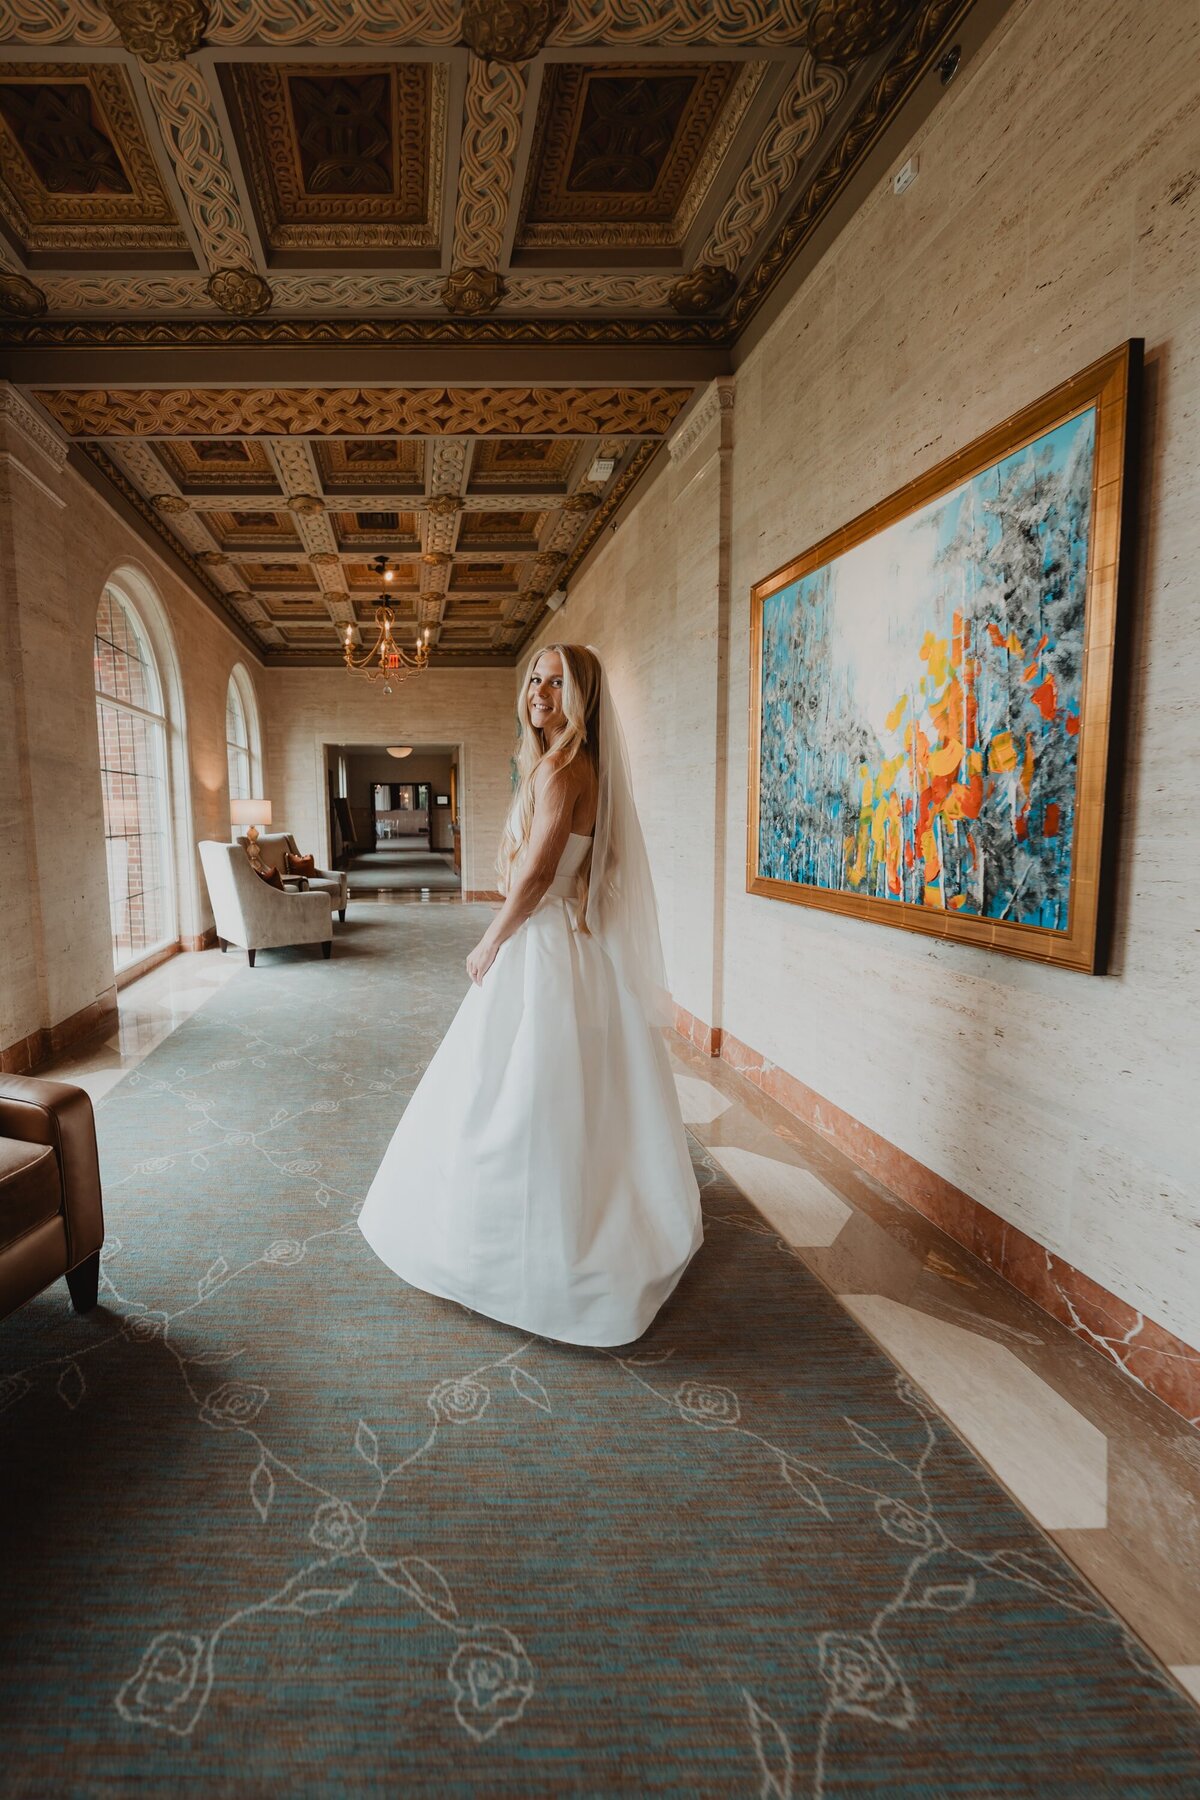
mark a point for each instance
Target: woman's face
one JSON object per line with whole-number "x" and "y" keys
{"x": 544, "y": 698}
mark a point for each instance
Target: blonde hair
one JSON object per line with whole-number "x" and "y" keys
{"x": 581, "y": 706}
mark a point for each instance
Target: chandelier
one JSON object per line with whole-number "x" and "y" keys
{"x": 385, "y": 661}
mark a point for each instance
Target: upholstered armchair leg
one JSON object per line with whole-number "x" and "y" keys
{"x": 251, "y": 954}
{"x": 327, "y": 949}
{"x": 223, "y": 944}
{"x": 84, "y": 1283}
{"x": 342, "y": 914}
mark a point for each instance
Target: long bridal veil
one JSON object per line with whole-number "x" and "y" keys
{"x": 621, "y": 911}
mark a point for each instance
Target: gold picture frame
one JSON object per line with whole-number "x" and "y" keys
{"x": 973, "y": 806}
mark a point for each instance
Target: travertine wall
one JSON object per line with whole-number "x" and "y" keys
{"x": 310, "y": 708}
{"x": 1057, "y": 212}
{"x": 59, "y": 545}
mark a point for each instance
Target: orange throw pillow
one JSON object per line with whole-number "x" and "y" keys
{"x": 272, "y": 877}
{"x": 301, "y": 865}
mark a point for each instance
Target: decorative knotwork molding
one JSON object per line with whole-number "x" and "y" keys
{"x": 56, "y": 22}
{"x": 76, "y": 295}
{"x": 716, "y": 399}
{"x": 877, "y": 106}
{"x": 144, "y": 467}
{"x": 447, "y": 460}
{"x": 283, "y": 23}
{"x": 159, "y": 30}
{"x": 472, "y": 291}
{"x": 317, "y": 535}
{"x": 797, "y": 122}
{"x": 295, "y": 466}
{"x": 364, "y": 412}
{"x": 444, "y": 505}
{"x": 193, "y": 137}
{"x": 491, "y": 132}
{"x": 683, "y": 22}
{"x": 439, "y": 532}
{"x": 17, "y": 412}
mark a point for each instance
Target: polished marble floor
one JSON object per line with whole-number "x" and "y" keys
{"x": 1107, "y": 1471}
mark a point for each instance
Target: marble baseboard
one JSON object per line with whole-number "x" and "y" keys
{"x": 207, "y": 940}
{"x": 1153, "y": 1356}
{"x": 27, "y": 1054}
{"x": 483, "y": 894}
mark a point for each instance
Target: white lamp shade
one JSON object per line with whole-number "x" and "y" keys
{"x": 399, "y": 749}
{"x": 250, "y": 812}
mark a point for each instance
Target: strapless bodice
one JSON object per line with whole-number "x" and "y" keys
{"x": 565, "y": 885}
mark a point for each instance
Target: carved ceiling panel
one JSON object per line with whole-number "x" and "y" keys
{"x": 77, "y": 172}
{"x": 342, "y": 157}
{"x": 617, "y": 150}
{"x": 460, "y": 201}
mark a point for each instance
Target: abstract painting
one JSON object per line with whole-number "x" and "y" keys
{"x": 932, "y": 689}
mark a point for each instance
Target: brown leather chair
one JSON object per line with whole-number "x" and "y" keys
{"x": 51, "y": 1217}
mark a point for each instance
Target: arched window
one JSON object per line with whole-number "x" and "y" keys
{"x": 242, "y": 738}
{"x": 131, "y": 718}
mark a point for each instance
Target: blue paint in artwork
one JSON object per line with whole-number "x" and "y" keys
{"x": 921, "y": 698}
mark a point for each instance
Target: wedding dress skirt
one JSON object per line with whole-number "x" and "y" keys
{"x": 540, "y": 1173}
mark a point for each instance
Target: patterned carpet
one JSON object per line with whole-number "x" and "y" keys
{"x": 276, "y": 1523}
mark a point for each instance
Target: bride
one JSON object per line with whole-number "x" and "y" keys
{"x": 540, "y": 1173}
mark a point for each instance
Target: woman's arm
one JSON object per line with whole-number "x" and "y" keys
{"x": 555, "y": 792}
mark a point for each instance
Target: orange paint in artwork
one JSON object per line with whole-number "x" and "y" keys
{"x": 1027, "y": 766}
{"x": 1030, "y": 672}
{"x": 1042, "y": 642}
{"x": 1072, "y": 724}
{"x": 973, "y": 847}
{"x": 1021, "y": 826}
{"x": 1051, "y": 821}
{"x": 1045, "y": 698}
{"x": 996, "y": 635}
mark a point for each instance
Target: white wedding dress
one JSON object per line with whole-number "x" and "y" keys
{"x": 540, "y": 1173}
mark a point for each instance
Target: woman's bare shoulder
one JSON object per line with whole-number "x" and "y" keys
{"x": 569, "y": 777}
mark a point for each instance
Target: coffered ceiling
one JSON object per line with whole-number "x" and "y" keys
{"x": 306, "y": 280}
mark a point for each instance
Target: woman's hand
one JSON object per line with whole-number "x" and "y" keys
{"x": 481, "y": 958}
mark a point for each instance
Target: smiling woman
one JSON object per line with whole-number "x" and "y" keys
{"x": 547, "y": 1124}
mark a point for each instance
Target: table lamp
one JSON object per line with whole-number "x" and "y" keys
{"x": 251, "y": 814}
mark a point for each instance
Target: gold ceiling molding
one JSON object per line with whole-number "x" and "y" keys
{"x": 76, "y": 295}
{"x": 493, "y": 108}
{"x": 363, "y": 412}
{"x": 471, "y": 291}
{"x": 933, "y": 24}
{"x": 56, "y": 22}
{"x": 709, "y": 22}
{"x": 159, "y": 30}
{"x": 624, "y": 484}
{"x": 191, "y": 132}
{"x": 173, "y": 334}
{"x": 795, "y": 126}
{"x": 284, "y": 24}
{"x": 242, "y": 292}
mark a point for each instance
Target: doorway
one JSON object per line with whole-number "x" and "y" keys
{"x": 394, "y": 819}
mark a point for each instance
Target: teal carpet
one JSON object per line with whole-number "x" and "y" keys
{"x": 275, "y": 1523}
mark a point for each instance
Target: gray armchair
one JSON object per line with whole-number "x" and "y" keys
{"x": 274, "y": 846}
{"x": 258, "y": 917}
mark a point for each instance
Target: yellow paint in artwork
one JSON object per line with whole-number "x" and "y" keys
{"x": 897, "y": 713}
{"x": 886, "y": 777}
{"x": 933, "y": 652}
{"x": 929, "y": 851}
{"x": 1002, "y": 753}
{"x": 933, "y": 895}
{"x": 947, "y": 759}
{"x": 1014, "y": 644}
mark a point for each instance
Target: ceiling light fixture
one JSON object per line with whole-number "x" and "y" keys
{"x": 399, "y": 749}
{"x": 385, "y": 661}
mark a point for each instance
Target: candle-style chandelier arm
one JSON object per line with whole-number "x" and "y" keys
{"x": 386, "y": 659}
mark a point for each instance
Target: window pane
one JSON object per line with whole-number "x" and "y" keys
{"x": 137, "y": 845}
